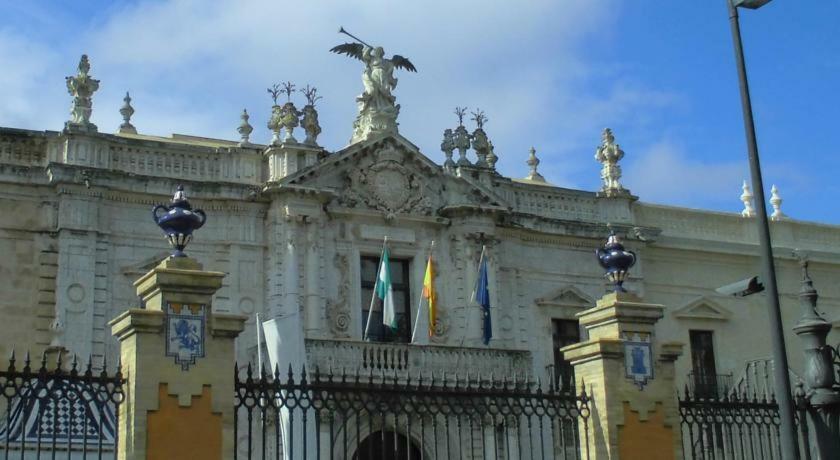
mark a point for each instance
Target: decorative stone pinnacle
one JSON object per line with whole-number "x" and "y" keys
{"x": 127, "y": 111}
{"x": 310, "y": 116}
{"x": 447, "y": 146}
{"x": 245, "y": 129}
{"x": 81, "y": 87}
{"x": 480, "y": 142}
{"x": 178, "y": 221}
{"x": 747, "y": 199}
{"x": 776, "y": 202}
{"x": 609, "y": 154}
{"x": 533, "y": 162}
{"x": 616, "y": 261}
{"x": 491, "y": 155}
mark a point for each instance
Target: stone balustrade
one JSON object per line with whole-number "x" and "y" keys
{"x": 350, "y": 356}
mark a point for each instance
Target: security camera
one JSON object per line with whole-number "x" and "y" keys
{"x": 742, "y": 288}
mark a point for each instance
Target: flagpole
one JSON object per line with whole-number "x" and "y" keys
{"x": 373, "y": 294}
{"x": 420, "y": 303}
{"x": 259, "y": 348}
{"x": 472, "y": 297}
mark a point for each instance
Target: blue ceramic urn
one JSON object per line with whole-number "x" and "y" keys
{"x": 616, "y": 261}
{"x": 178, "y": 221}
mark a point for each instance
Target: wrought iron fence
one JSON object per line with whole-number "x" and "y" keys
{"x": 384, "y": 416}
{"x": 735, "y": 425}
{"x": 55, "y": 412}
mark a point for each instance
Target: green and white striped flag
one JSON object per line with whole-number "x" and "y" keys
{"x": 383, "y": 294}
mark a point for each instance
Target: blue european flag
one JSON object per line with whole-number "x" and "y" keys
{"x": 481, "y": 295}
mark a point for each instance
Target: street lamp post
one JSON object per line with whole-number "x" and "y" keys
{"x": 789, "y": 445}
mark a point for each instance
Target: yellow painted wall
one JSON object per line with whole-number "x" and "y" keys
{"x": 645, "y": 439}
{"x": 184, "y": 433}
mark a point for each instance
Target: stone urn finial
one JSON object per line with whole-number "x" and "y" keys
{"x": 609, "y": 154}
{"x": 747, "y": 199}
{"x": 178, "y": 221}
{"x": 776, "y": 202}
{"x": 81, "y": 86}
{"x": 127, "y": 111}
{"x": 533, "y": 162}
{"x": 616, "y": 261}
{"x": 245, "y": 129}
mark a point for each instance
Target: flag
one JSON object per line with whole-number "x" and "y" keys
{"x": 481, "y": 295}
{"x": 429, "y": 294}
{"x": 383, "y": 294}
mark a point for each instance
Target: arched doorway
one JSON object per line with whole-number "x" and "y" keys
{"x": 386, "y": 445}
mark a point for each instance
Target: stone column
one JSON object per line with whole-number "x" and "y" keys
{"x": 630, "y": 378}
{"x": 177, "y": 356}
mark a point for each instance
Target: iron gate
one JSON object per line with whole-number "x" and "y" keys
{"x": 387, "y": 416}
{"x": 57, "y": 413}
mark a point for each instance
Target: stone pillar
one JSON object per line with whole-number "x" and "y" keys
{"x": 178, "y": 358}
{"x": 630, "y": 378}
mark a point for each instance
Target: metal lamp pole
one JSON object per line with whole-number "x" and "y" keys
{"x": 789, "y": 444}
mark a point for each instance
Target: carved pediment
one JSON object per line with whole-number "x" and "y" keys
{"x": 389, "y": 175}
{"x": 566, "y": 296}
{"x": 703, "y": 308}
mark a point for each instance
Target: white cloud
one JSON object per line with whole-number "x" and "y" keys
{"x": 666, "y": 173}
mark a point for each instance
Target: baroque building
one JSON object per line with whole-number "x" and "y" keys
{"x": 298, "y": 230}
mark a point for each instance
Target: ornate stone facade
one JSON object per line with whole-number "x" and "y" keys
{"x": 289, "y": 223}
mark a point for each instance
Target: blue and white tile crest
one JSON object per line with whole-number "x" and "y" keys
{"x": 185, "y": 333}
{"x": 638, "y": 357}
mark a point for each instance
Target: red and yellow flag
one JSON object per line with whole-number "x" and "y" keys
{"x": 429, "y": 294}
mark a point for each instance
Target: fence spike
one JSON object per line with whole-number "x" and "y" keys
{"x": 58, "y": 360}
{"x": 89, "y": 366}
{"x": 26, "y": 362}
{"x": 302, "y": 374}
{"x": 291, "y": 374}
{"x": 74, "y": 364}
{"x": 277, "y": 372}
{"x": 44, "y": 361}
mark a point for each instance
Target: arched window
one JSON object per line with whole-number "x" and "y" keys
{"x": 387, "y": 445}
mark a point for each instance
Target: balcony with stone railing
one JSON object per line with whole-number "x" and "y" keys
{"x": 357, "y": 357}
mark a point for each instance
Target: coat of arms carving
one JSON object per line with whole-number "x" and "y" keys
{"x": 386, "y": 184}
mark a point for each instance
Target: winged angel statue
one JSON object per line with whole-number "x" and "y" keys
{"x": 377, "y": 108}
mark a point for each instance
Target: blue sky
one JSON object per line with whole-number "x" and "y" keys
{"x": 551, "y": 74}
